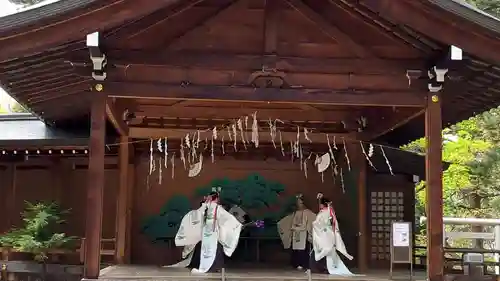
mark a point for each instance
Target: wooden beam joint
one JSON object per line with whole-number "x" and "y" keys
{"x": 115, "y": 116}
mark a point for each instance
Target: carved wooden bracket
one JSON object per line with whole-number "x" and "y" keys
{"x": 267, "y": 79}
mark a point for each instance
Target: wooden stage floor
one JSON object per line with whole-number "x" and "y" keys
{"x": 143, "y": 273}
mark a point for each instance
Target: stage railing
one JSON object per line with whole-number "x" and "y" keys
{"x": 493, "y": 235}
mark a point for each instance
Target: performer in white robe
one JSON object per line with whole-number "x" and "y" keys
{"x": 296, "y": 233}
{"x": 188, "y": 251}
{"x": 215, "y": 230}
{"x": 327, "y": 240}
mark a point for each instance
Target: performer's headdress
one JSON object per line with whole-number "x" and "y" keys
{"x": 216, "y": 190}
{"x": 322, "y": 199}
{"x": 214, "y": 194}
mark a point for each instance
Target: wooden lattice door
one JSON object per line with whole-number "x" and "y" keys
{"x": 385, "y": 207}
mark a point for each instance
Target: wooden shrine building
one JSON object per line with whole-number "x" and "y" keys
{"x": 362, "y": 71}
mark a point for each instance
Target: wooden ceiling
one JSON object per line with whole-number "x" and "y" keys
{"x": 196, "y": 64}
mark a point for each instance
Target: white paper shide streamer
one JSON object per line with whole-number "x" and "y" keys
{"x": 151, "y": 163}
{"x": 242, "y": 134}
{"x": 183, "y": 158}
{"x": 386, "y": 160}
{"x": 249, "y": 134}
{"x": 366, "y": 156}
{"x": 172, "y": 162}
{"x": 346, "y": 155}
{"x": 255, "y": 130}
{"x": 165, "y": 154}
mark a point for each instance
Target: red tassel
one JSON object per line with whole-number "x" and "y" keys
{"x": 332, "y": 215}
{"x": 215, "y": 217}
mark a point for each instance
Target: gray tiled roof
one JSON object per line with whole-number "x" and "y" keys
{"x": 465, "y": 10}
{"x": 26, "y": 130}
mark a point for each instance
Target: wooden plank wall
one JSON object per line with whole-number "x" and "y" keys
{"x": 62, "y": 180}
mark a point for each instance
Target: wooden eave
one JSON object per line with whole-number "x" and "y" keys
{"x": 37, "y": 48}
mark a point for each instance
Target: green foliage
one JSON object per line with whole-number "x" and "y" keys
{"x": 165, "y": 225}
{"x": 14, "y": 108}
{"x": 471, "y": 184}
{"x": 38, "y": 236}
{"x": 25, "y": 2}
{"x": 252, "y": 192}
{"x": 259, "y": 197}
{"x": 18, "y": 108}
{"x": 489, "y": 6}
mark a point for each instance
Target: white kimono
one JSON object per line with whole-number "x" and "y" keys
{"x": 327, "y": 242}
{"x": 220, "y": 227}
{"x": 296, "y": 229}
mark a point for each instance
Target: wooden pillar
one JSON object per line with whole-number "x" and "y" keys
{"x": 58, "y": 172}
{"x": 434, "y": 190}
{"x": 10, "y": 202}
{"x": 130, "y": 203}
{"x": 123, "y": 200}
{"x": 362, "y": 221}
{"x": 95, "y": 188}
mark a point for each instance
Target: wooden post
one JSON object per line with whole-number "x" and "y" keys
{"x": 11, "y": 196}
{"x": 95, "y": 189}
{"x": 362, "y": 235}
{"x": 122, "y": 206}
{"x": 130, "y": 203}
{"x": 434, "y": 190}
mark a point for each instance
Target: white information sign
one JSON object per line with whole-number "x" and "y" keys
{"x": 401, "y": 234}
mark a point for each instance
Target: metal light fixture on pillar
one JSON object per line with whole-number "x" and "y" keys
{"x": 99, "y": 60}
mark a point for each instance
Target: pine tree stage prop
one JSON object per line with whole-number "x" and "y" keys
{"x": 262, "y": 199}
{"x": 164, "y": 226}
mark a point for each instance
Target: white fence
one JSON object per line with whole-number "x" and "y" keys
{"x": 493, "y": 236}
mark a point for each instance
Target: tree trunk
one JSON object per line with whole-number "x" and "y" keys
{"x": 475, "y": 204}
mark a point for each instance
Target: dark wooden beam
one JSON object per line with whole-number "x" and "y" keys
{"x": 71, "y": 27}
{"x": 52, "y": 87}
{"x": 239, "y": 94}
{"x": 185, "y": 59}
{"x": 434, "y": 188}
{"x": 130, "y": 204}
{"x": 95, "y": 189}
{"x": 57, "y": 92}
{"x": 212, "y": 111}
{"x": 363, "y": 250}
{"x": 271, "y": 23}
{"x": 328, "y": 28}
{"x": 354, "y": 9}
{"x": 137, "y": 27}
{"x": 114, "y": 114}
{"x": 440, "y": 25}
{"x": 384, "y": 124}
{"x": 123, "y": 201}
{"x": 264, "y": 136}
{"x": 227, "y": 4}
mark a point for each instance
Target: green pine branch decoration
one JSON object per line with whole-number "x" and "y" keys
{"x": 38, "y": 234}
